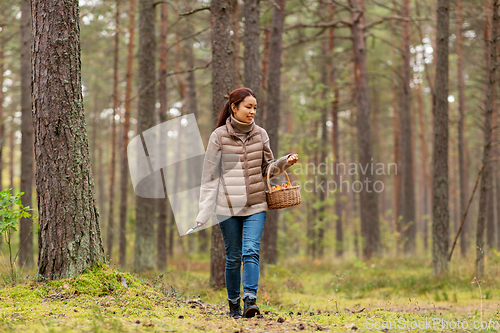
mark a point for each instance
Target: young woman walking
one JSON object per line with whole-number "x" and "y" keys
{"x": 240, "y": 197}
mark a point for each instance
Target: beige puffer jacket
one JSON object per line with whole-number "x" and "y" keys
{"x": 245, "y": 161}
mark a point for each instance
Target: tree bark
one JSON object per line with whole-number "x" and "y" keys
{"x": 269, "y": 238}
{"x": 408, "y": 222}
{"x": 116, "y": 104}
{"x": 69, "y": 237}
{"x": 251, "y": 44}
{"x": 144, "y": 224}
{"x": 322, "y": 221}
{"x": 25, "y": 234}
{"x": 423, "y": 147}
{"x": 162, "y": 204}
{"x": 263, "y": 91}
{"x": 221, "y": 87}
{"x": 490, "y": 204}
{"x": 2, "y": 98}
{"x": 486, "y": 175}
{"x": 235, "y": 45}
{"x": 124, "y": 176}
{"x": 440, "y": 209}
{"x": 368, "y": 197}
{"x": 339, "y": 235}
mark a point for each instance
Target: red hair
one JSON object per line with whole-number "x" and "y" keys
{"x": 235, "y": 97}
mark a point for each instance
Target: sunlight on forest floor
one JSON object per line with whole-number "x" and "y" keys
{"x": 300, "y": 295}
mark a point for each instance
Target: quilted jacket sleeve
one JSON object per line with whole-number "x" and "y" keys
{"x": 277, "y": 167}
{"x": 209, "y": 179}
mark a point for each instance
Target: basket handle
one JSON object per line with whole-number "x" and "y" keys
{"x": 268, "y": 173}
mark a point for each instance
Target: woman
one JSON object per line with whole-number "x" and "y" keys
{"x": 241, "y": 205}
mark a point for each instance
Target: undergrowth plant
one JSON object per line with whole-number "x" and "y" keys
{"x": 11, "y": 210}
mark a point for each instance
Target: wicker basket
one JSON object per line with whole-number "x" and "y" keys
{"x": 283, "y": 197}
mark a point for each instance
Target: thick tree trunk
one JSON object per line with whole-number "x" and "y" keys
{"x": 116, "y": 104}
{"x": 440, "y": 209}
{"x": 162, "y": 204}
{"x": 25, "y": 235}
{"x": 486, "y": 175}
{"x": 124, "y": 176}
{"x": 69, "y": 237}
{"x": 269, "y": 238}
{"x": 144, "y": 224}
{"x": 251, "y": 43}
{"x": 408, "y": 222}
{"x": 368, "y": 196}
{"x": 221, "y": 87}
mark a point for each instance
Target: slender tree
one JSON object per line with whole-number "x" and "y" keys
{"x": 370, "y": 230}
{"x": 161, "y": 242}
{"x": 69, "y": 237}
{"x": 339, "y": 234}
{"x": 124, "y": 176}
{"x": 269, "y": 237}
{"x": 144, "y": 223}
{"x": 235, "y": 45}
{"x": 116, "y": 104}
{"x": 26, "y": 234}
{"x": 251, "y": 44}
{"x": 221, "y": 88}
{"x": 485, "y": 177}
{"x": 440, "y": 209}
{"x": 408, "y": 194}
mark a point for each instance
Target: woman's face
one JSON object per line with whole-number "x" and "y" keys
{"x": 246, "y": 109}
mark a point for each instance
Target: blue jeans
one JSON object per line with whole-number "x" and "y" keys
{"x": 242, "y": 235}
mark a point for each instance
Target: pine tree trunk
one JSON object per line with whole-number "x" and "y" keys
{"x": 235, "y": 45}
{"x": 440, "y": 209}
{"x": 423, "y": 147}
{"x": 269, "y": 237}
{"x": 339, "y": 236}
{"x": 396, "y": 134}
{"x": 251, "y": 43}
{"x": 221, "y": 87}
{"x": 461, "y": 130}
{"x": 485, "y": 186}
{"x": 116, "y": 104}
{"x": 2, "y": 97}
{"x": 162, "y": 204}
{"x": 408, "y": 222}
{"x": 263, "y": 91}
{"x": 144, "y": 246}
{"x": 26, "y": 235}
{"x": 69, "y": 238}
{"x": 368, "y": 196}
{"x": 322, "y": 221}
{"x": 124, "y": 176}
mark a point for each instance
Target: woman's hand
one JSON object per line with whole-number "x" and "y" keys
{"x": 292, "y": 159}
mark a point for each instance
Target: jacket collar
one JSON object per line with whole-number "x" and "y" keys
{"x": 231, "y": 131}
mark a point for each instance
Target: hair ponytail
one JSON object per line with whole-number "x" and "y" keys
{"x": 235, "y": 97}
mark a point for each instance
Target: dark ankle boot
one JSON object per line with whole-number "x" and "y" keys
{"x": 249, "y": 307}
{"x": 235, "y": 310}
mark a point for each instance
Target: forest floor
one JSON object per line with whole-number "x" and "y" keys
{"x": 382, "y": 295}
